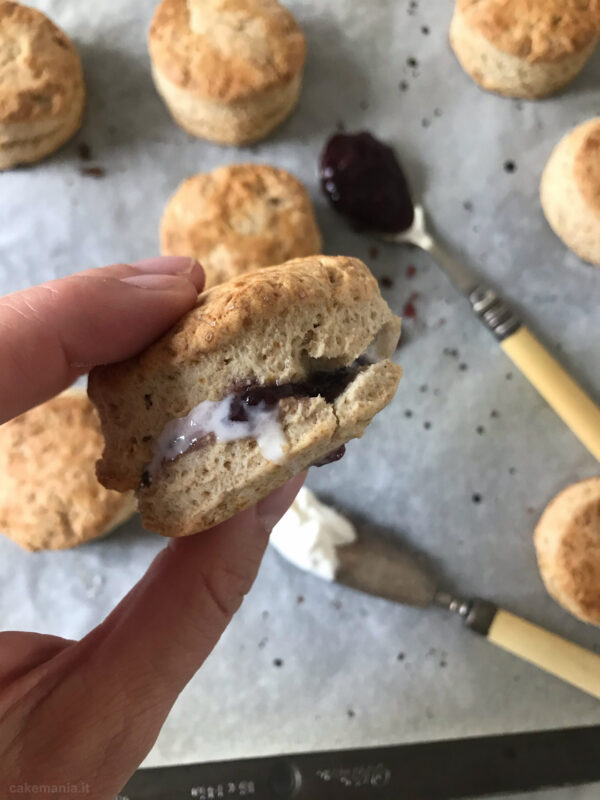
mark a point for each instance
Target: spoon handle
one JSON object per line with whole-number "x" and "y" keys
{"x": 577, "y": 410}
{"x": 580, "y": 413}
{"x": 556, "y": 386}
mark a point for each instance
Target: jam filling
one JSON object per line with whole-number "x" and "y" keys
{"x": 335, "y": 455}
{"x": 362, "y": 179}
{"x": 251, "y": 412}
{"x": 328, "y": 385}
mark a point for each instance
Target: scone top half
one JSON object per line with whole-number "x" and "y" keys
{"x": 269, "y": 374}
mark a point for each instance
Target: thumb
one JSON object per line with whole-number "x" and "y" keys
{"x": 119, "y": 683}
{"x": 54, "y": 332}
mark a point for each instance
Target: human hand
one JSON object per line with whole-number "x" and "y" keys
{"x": 88, "y": 712}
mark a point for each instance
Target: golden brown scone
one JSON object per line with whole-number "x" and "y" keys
{"x": 266, "y": 366}
{"x": 567, "y": 541}
{"x": 228, "y": 70}
{"x": 50, "y": 498}
{"x": 570, "y": 190}
{"x": 42, "y": 92}
{"x": 524, "y": 48}
{"x": 238, "y": 218}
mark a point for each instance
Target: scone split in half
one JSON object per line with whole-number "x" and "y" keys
{"x": 270, "y": 373}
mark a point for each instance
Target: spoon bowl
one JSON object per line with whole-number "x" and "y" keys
{"x": 364, "y": 181}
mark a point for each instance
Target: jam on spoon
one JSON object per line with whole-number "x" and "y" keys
{"x": 363, "y": 180}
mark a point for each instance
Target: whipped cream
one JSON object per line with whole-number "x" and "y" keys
{"x": 309, "y": 534}
{"x": 211, "y": 417}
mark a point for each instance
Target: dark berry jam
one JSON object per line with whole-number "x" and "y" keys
{"x": 328, "y": 385}
{"x": 335, "y": 455}
{"x": 146, "y": 479}
{"x": 363, "y": 180}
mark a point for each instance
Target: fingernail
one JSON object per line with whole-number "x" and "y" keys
{"x": 167, "y": 265}
{"x": 162, "y": 283}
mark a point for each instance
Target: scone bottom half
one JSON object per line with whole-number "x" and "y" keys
{"x": 271, "y": 373}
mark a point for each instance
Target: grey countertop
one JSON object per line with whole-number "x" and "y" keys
{"x": 355, "y": 671}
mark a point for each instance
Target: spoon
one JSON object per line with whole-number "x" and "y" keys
{"x": 364, "y": 181}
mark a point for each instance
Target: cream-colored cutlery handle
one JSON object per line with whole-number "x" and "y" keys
{"x": 556, "y": 386}
{"x": 565, "y": 660}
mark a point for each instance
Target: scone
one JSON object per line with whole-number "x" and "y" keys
{"x": 50, "y": 498}
{"x": 524, "y": 48}
{"x": 567, "y": 541}
{"x": 228, "y": 70}
{"x": 238, "y": 218}
{"x": 269, "y": 374}
{"x": 570, "y": 190}
{"x": 42, "y": 93}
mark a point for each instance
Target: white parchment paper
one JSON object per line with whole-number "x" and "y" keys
{"x": 356, "y": 671}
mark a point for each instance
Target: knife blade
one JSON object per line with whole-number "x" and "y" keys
{"x": 379, "y": 567}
